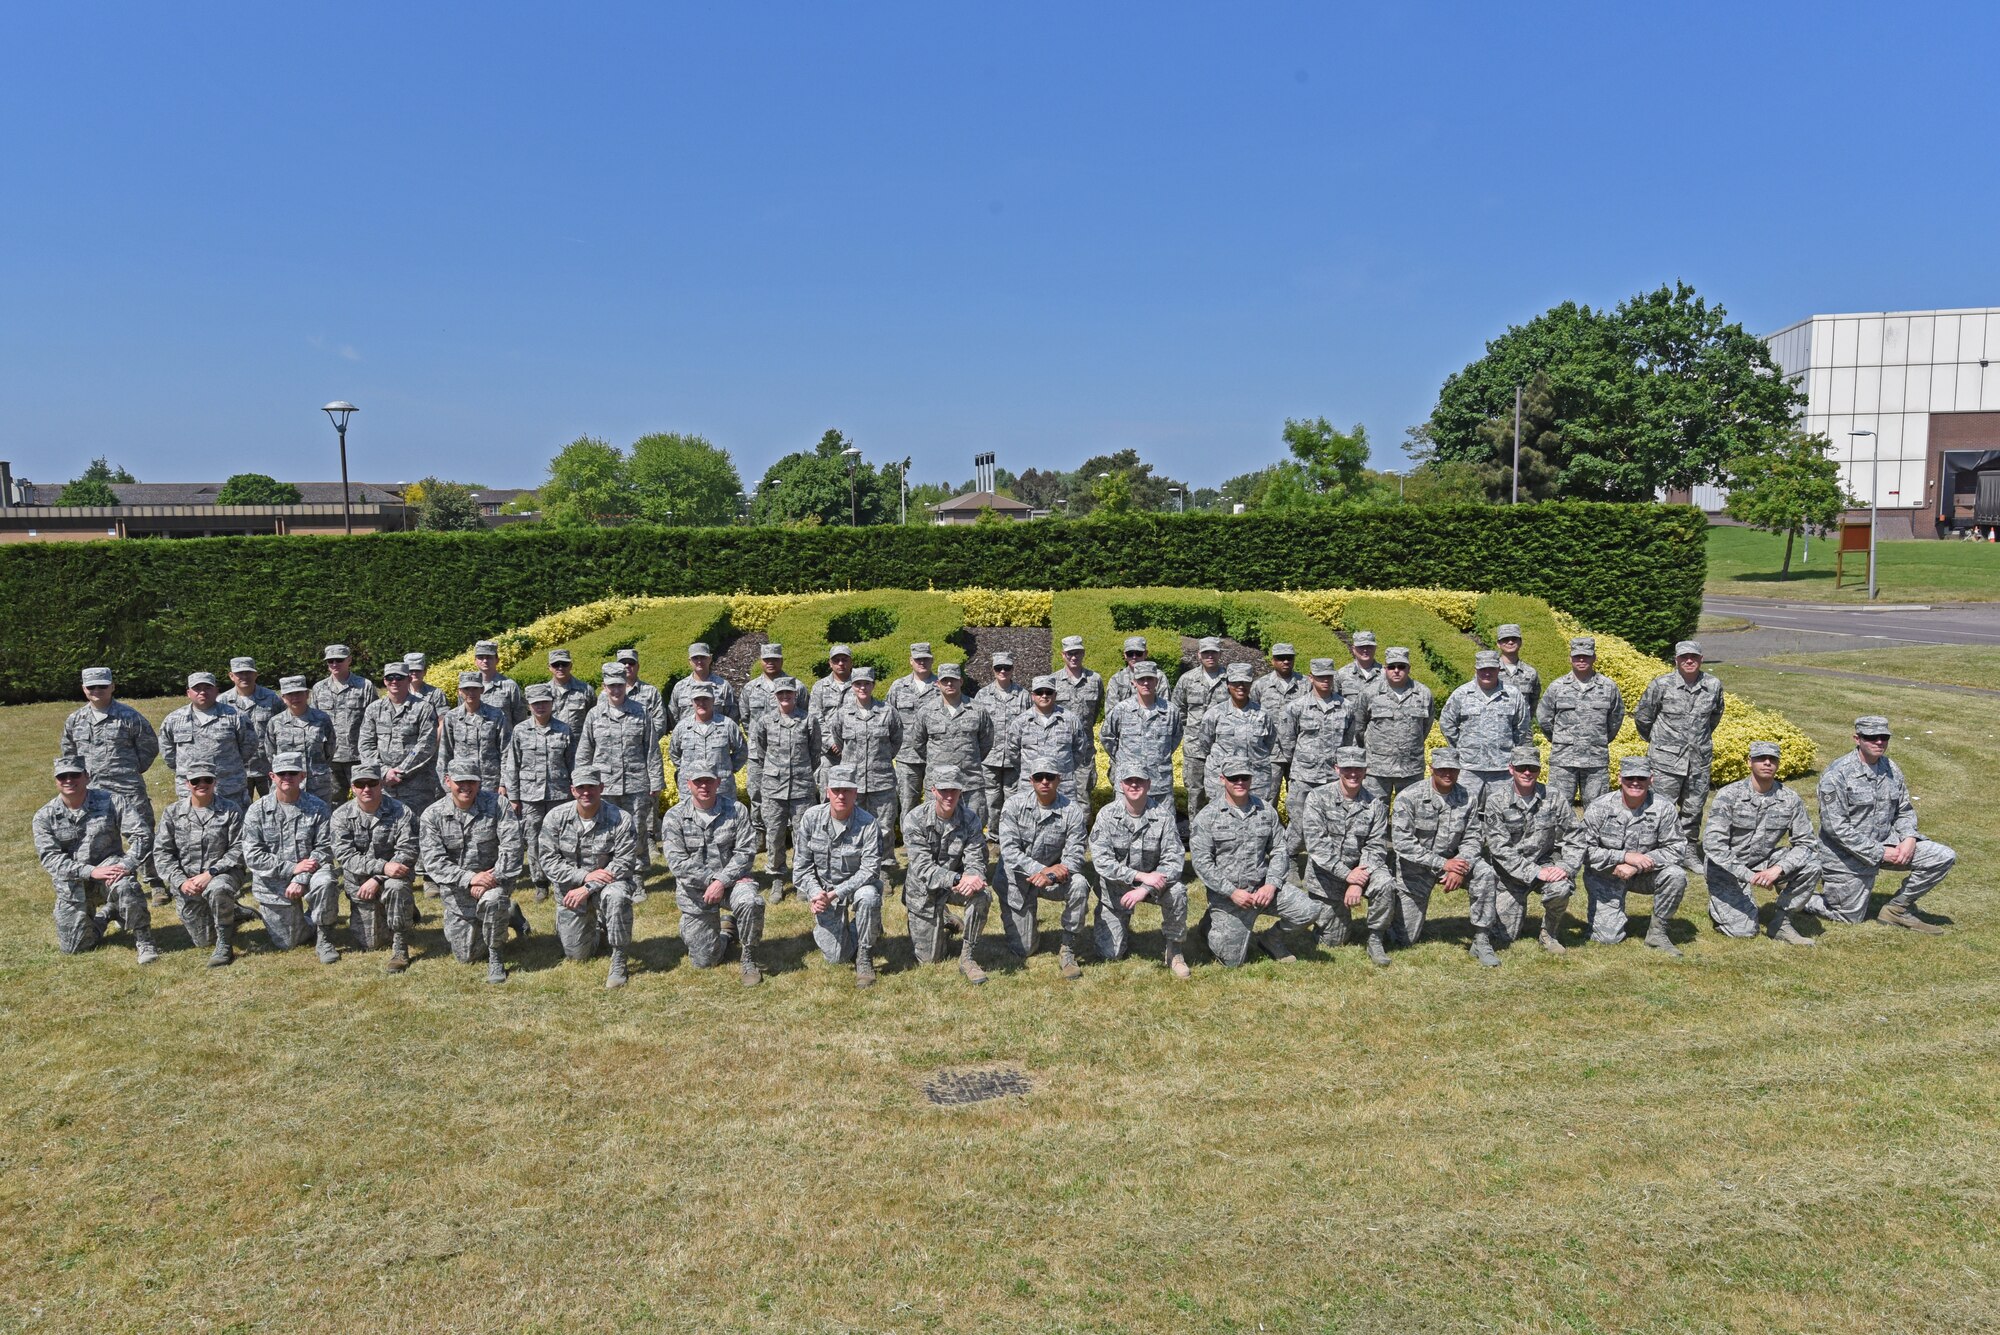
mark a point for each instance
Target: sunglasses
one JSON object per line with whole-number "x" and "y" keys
{"x": 1881, "y": 737}
{"x": 201, "y": 783}
{"x": 367, "y": 783}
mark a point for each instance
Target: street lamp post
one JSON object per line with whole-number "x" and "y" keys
{"x": 1515, "y": 498}
{"x": 1180, "y": 499}
{"x": 853, "y": 456}
{"x": 338, "y": 412}
{"x": 1874, "y": 486}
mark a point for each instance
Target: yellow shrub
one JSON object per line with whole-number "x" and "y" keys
{"x": 1322, "y": 605}
{"x": 754, "y": 612}
{"x": 555, "y": 628}
{"x": 1454, "y": 605}
{"x": 1003, "y": 607}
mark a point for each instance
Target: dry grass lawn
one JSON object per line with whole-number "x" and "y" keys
{"x": 1760, "y": 1138}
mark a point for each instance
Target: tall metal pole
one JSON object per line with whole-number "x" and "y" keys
{"x": 346, "y": 505}
{"x": 1874, "y": 488}
{"x": 1516, "y": 499}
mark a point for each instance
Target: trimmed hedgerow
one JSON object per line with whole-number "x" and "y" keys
{"x": 880, "y": 626}
{"x": 1105, "y": 617}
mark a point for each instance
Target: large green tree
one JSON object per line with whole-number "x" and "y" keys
{"x": 587, "y": 485}
{"x": 811, "y": 487}
{"x": 87, "y": 491}
{"x": 683, "y": 480}
{"x": 1791, "y": 483}
{"x": 257, "y": 489}
{"x": 1661, "y": 391}
{"x": 103, "y": 470}
{"x": 445, "y": 507}
{"x": 1330, "y": 463}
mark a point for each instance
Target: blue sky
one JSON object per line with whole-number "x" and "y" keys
{"x": 1046, "y": 230}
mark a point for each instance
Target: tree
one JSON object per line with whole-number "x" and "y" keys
{"x": 813, "y": 486}
{"x": 102, "y": 470}
{"x": 587, "y": 484}
{"x": 257, "y": 489}
{"x": 444, "y": 507}
{"x": 1040, "y": 488}
{"x": 1786, "y": 486}
{"x": 527, "y": 503}
{"x": 683, "y": 480}
{"x": 88, "y": 491}
{"x": 1446, "y": 482}
{"x": 1112, "y": 495}
{"x": 1332, "y": 463}
{"x": 1660, "y": 392}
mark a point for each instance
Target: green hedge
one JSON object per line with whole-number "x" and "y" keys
{"x": 661, "y": 636}
{"x": 1105, "y": 617}
{"x": 1543, "y": 645}
{"x": 880, "y": 627}
{"x": 156, "y": 609}
{"x": 1440, "y": 656}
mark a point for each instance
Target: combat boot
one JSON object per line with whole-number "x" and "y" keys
{"x": 327, "y": 951}
{"x": 864, "y": 969}
{"x": 1782, "y": 930}
{"x": 1176, "y": 961}
{"x": 1482, "y": 950}
{"x": 225, "y": 946}
{"x": 518, "y": 921}
{"x": 1272, "y": 942}
{"x": 496, "y": 967}
{"x": 1378, "y": 953}
{"x": 618, "y": 976}
{"x": 1333, "y": 931}
{"x": 542, "y": 892}
{"x": 146, "y": 951}
{"x": 399, "y": 954}
{"x": 1552, "y": 923}
{"x": 1657, "y": 938}
{"x": 1066, "y": 963}
{"x": 968, "y": 965}
{"x": 1898, "y": 913}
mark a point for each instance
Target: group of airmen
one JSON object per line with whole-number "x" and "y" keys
{"x": 327, "y": 792}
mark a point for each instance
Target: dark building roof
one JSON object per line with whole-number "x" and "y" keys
{"x": 203, "y": 493}
{"x": 983, "y": 500}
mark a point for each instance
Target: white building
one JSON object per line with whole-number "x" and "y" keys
{"x": 1927, "y": 383}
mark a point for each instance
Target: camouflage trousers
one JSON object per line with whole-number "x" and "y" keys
{"x": 1689, "y": 794}
{"x": 1732, "y": 904}
{"x": 1194, "y": 775}
{"x": 343, "y": 772}
{"x": 1413, "y": 900}
{"x": 1566, "y": 782}
{"x": 1474, "y": 781}
{"x": 882, "y": 806}
{"x": 1001, "y": 781}
{"x": 701, "y": 923}
{"x": 294, "y": 922}
{"x": 909, "y": 784}
{"x": 1231, "y": 929}
{"x": 472, "y": 926}
{"x": 1020, "y": 898}
{"x": 136, "y": 796}
{"x": 645, "y": 815}
{"x": 1846, "y": 882}
{"x": 1607, "y": 899}
{"x": 753, "y": 795}
{"x": 533, "y": 813}
{"x": 1111, "y": 932}
{"x": 1328, "y": 890}
{"x": 208, "y": 908}
{"x": 781, "y": 823}
{"x": 605, "y": 917}
{"x": 416, "y": 793}
{"x": 371, "y": 921}
{"x": 844, "y": 929}
{"x": 1500, "y": 902}
{"x": 927, "y": 920}
{"x": 76, "y": 910}
{"x": 1386, "y": 786}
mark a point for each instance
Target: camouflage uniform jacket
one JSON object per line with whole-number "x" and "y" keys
{"x": 1341, "y": 833}
{"x": 1679, "y": 721}
{"x": 839, "y": 861}
{"x": 909, "y": 696}
{"x": 572, "y": 846}
{"x": 704, "y": 846}
{"x": 1396, "y": 724}
{"x": 1034, "y": 837}
{"x": 621, "y": 743}
{"x": 535, "y": 765}
{"x": 1123, "y": 845}
{"x": 277, "y": 835}
{"x": 1194, "y": 694}
{"x": 787, "y": 749}
{"x": 868, "y": 739}
{"x": 311, "y": 735}
{"x": 941, "y": 850}
{"x": 457, "y": 844}
{"x": 222, "y": 738}
{"x": 1054, "y": 740}
{"x": 479, "y": 735}
{"x": 365, "y": 843}
{"x": 344, "y": 705}
{"x": 71, "y": 843}
{"x": 259, "y": 707}
{"x": 1610, "y": 828}
{"x": 191, "y": 840}
{"x": 1003, "y": 707}
{"x": 1521, "y": 835}
{"x": 1745, "y": 828}
{"x": 1580, "y": 718}
{"x": 961, "y": 737}
{"x": 1311, "y": 732}
{"x": 1864, "y": 808}
{"x": 1239, "y": 848}
{"x": 718, "y": 743}
{"x": 1485, "y": 727}
{"x": 401, "y": 737}
{"x": 117, "y": 745}
{"x": 1429, "y": 828}
{"x": 1149, "y": 736}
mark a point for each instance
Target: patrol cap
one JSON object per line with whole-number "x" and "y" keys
{"x": 611, "y": 672}
{"x": 462, "y": 768}
{"x": 1283, "y": 650}
{"x": 1208, "y": 644}
{"x": 840, "y": 651}
{"x": 1131, "y": 767}
{"x": 1583, "y": 646}
{"x": 97, "y": 676}
{"x": 416, "y": 660}
{"x": 1351, "y": 757}
{"x": 630, "y": 655}
{"x": 772, "y": 651}
{"x": 1043, "y": 683}
{"x": 1239, "y": 672}
{"x": 1233, "y": 767}
{"x": 486, "y": 647}
{"x": 1871, "y": 725}
{"x": 1524, "y": 757}
{"x": 364, "y": 772}
{"x": 292, "y": 686}
{"x": 695, "y": 650}
{"x": 1507, "y": 631}
{"x": 1686, "y": 647}
{"x": 1322, "y": 667}
{"x": 785, "y": 683}
{"x": 1072, "y": 644}
{"x": 841, "y": 776}
{"x": 69, "y": 765}
{"x": 1361, "y": 637}
{"x": 945, "y": 776}
{"x": 866, "y": 674}
{"x": 585, "y": 776}
{"x": 294, "y": 762}
{"x": 1135, "y": 644}
{"x": 1395, "y": 656}
{"x": 921, "y": 649}
{"x": 1038, "y": 769}
{"x": 702, "y": 690}
{"x": 540, "y": 690}
{"x": 1635, "y": 767}
{"x": 335, "y": 651}
{"x": 201, "y": 679}
{"x": 1445, "y": 757}
{"x": 471, "y": 681}
{"x": 1763, "y": 750}
{"x": 242, "y": 665}
{"x": 1003, "y": 660}
{"x": 558, "y": 656}
{"x": 1145, "y": 668}
{"x": 698, "y": 769}
{"x": 1486, "y": 658}
{"x": 394, "y": 668}
{"x": 197, "y": 769}
{"x": 951, "y": 670}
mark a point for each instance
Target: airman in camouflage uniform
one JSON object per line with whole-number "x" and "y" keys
{"x": 1395, "y": 721}
{"x": 1242, "y": 853}
{"x": 701, "y": 663}
{"x": 839, "y": 874}
{"x": 399, "y": 740}
{"x": 709, "y": 847}
{"x": 300, "y": 727}
{"x": 619, "y": 742}
{"x": 759, "y": 698}
{"x": 1136, "y": 850}
{"x": 376, "y": 842}
{"x": 866, "y": 736}
{"x": 948, "y": 866}
{"x": 1004, "y": 701}
{"x": 1361, "y": 677}
{"x": 1435, "y": 834}
{"x": 1631, "y": 843}
{"x": 786, "y": 746}
{"x": 1049, "y": 736}
{"x": 1751, "y": 818}
{"x": 705, "y": 739}
{"x": 474, "y": 730}
{"x": 259, "y": 704}
{"x": 1042, "y": 842}
{"x": 1121, "y": 687}
{"x": 1520, "y": 675}
{"x": 534, "y": 773}
{"x": 1274, "y": 692}
{"x": 198, "y": 848}
{"x": 1678, "y": 715}
{"x": 952, "y": 731}
{"x": 420, "y": 665}
{"x": 1345, "y": 830}
{"x": 1485, "y": 719}
{"x": 501, "y": 694}
{"x": 1524, "y": 844}
{"x": 116, "y": 744}
{"x": 472, "y": 853}
{"x": 343, "y": 696}
{"x": 1237, "y": 727}
{"x": 1312, "y": 730}
{"x": 207, "y": 732}
{"x": 573, "y": 697}
{"x": 830, "y": 692}
{"x": 909, "y": 695}
{"x": 1580, "y": 713}
{"x": 1868, "y": 825}
{"x": 1080, "y": 691}
{"x": 591, "y": 857}
{"x": 288, "y": 848}
{"x": 92, "y": 843}
{"x": 1197, "y": 690}
{"x": 1145, "y": 730}
{"x": 647, "y": 696}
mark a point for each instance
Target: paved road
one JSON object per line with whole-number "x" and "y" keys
{"x": 1818, "y": 628}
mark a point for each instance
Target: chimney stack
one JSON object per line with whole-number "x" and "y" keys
{"x": 983, "y": 471}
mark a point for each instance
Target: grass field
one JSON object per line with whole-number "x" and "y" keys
{"x": 1743, "y": 563}
{"x": 1976, "y": 665}
{"x": 1758, "y": 1138}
